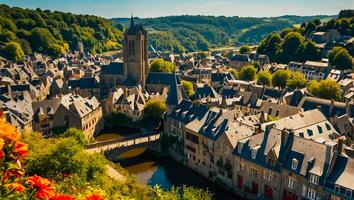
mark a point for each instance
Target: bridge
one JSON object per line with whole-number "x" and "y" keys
{"x": 147, "y": 140}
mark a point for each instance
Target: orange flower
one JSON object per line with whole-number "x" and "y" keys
{"x": 18, "y": 187}
{"x": 2, "y": 142}
{"x": 14, "y": 173}
{"x": 62, "y": 197}
{"x": 42, "y": 186}
{"x": 8, "y": 132}
{"x": 21, "y": 149}
{"x": 94, "y": 197}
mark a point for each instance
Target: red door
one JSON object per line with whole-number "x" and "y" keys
{"x": 268, "y": 192}
{"x": 239, "y": 182}
{"x": 254, "y": 188}
{"x": 289, "y": 196}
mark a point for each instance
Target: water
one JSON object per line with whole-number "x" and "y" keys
{"x": 150, "y": 169}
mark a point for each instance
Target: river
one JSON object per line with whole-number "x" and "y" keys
{"x": 150, "y": 169}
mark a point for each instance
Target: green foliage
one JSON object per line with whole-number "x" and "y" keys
{"x": 280, "y": 78}
{"x": 117, "y": 119}
{"x": 188, "y": 87}
{"x": 199, "y": 33}
{"x": 160, "y": 65}
{"x": 183, "y": 193}
{"x": 346, "y": 14}
{"x": 270, "y": 46}
{"x": 77, "y": 134}
{"x": 297, "y": 80}
{"x": 55, "y": 33}
{"x": 245, "y": 49}
{"x": 271, "y": 118}
{"x": 327, "y": 89}
{"x": 340, "y": 58}
{"x": 12, "y": 51}
{"x": 234, "y": 73}
{"x": 248, "y": 73}
{"x": 154, "y": 110}
{"x": 264, "y": 78}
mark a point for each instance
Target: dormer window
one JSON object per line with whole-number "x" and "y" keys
{"x": 239, "y": 148}
{"x": 294, "y": 164}
{"x": 314, "y": 179}
{"x": 254, "y": 154}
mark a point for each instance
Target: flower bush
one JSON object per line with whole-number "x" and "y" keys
{"x": 14, "y": 184}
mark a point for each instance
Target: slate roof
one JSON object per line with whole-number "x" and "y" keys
{"x": 241, "y": 57}
{"x": 203, "y": 91}
{"x": 83, "y": 83}
{"x": 114, "y": 68}
{"x": 161, "y": 78}
{"x": 324, "y": 105}
{"x": 176, "y": 92}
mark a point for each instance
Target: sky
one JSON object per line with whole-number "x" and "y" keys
{"x": 155, "y": 8}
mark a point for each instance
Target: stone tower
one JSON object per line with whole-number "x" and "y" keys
{"x": 135, "y": 54}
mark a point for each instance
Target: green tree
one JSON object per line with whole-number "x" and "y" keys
{"x": 264, "y": 78}
{"x": 77, "y": 134}
{"x": 234, "y": 73}
{"x": 154, "y": 111}
{"x": 160, "y": 65}
{"x": 244, "y": 49}
{"x": 270, "y": 46}
{"x": 343, "y": 60}
{"x": 297, "y": 80}
{"x": 188, "y": 87}
{"x": 281, "y": 77}
{"x": 248, "y": 73}
{"x": 333, "y": 53}
{"x": 12, "y": 51}
{"x": 327, "y": 89}
{"x": 290, "y": 46}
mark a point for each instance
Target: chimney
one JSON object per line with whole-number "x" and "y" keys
{"x": 284, "y": 136}
{"x": 331, "y": 107}
{"x": 340, "y": 145}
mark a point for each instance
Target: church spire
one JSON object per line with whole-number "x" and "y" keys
{"x": 132, "y": 21}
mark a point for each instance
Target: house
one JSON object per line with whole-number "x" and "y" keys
{"x": 81, "y": 113}
{"x": 326, "y": 37}
{"x": 238, "y": 61}
{"x": 312, "y": 70}
{"x": 43, "y": 114}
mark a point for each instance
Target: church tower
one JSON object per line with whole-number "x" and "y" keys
{"x": 135, "y": 54}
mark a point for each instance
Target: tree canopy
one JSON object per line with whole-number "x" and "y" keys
{"x": 160, "y": 65}
{"x": 245, "y": 49}
{"x": 54, "y": 33}
{"x": 281, "y": 77}
{"x": 340, "y": 58}
{"x": 264, "y": 78}
{"x": 296, "y": 80}
{"x": 327, "y": 89}
{"x": 188, "y": 87}
{"x": 154, "y": 110}
{"x": 248, "y": 73}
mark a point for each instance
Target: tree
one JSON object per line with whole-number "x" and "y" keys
{"x": 327, "y": 89}
{"x": 290, "y": 46}
{"x": 264, "y": 78}
{"x": 297, "y": 80}
{"x": 77, "y": 134}
{"x": 248, "y": 73}
{"x": 333, "y": 53}
{"x": 160, "y": 65}
{"x": 281, "y": 77}
{"x": 343, "y": 60}
{"x": 188, "y": 87}
{"x": 244, "y": 49}
{"x": 154, "y": 110}
{"x": 270, "y": 46}
{"x": 285, "y": 31}
{"x": 13, "y": 51}
{"x": 234, "y": 73}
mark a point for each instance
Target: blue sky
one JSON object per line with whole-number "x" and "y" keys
{"x": 153, "y": 8}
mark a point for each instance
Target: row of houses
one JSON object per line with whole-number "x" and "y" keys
{"x": 301, "y": 156}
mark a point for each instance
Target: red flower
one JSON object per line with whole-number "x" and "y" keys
{"x": 1, "y": 154}
{"x": 18, "y": 187}
{"x": 94, "y": 197}
{"x": 63, "y": 197}
{"x": 42, "y": 186}
{"x": 21, "y": 149}
{"x": 14, "y": 173}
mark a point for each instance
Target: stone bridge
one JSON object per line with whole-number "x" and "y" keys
{"x": 148, "y": 140}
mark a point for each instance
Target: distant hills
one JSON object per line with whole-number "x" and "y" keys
{"x": 195, "y": 33}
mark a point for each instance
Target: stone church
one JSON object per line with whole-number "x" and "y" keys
{"x": 134, "y": 68}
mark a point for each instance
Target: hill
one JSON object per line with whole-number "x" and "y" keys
{"x": 52, "y": 33}
{"x": 194, "y": 33}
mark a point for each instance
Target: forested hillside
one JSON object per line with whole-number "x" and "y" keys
{"x": 26, "y": 31}
{"x": 194, "y": 33}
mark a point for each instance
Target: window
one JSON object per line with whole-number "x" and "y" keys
{"x": 277, "y": 113}
{"x": 314, "y": 179}
{"x": 311, "y": 193}
{"x": 239, "y": 148}
{"x": 268, "y": 175}
{"x": 320, "y": 129}
{"x": 241, "y": 167}
{"x": 294, "y": 164}
{"x": 348, "y": 193}
{"x": 254, "y": 172}
{"x": 336, "y": 189}
{"x": 309, "y": 132}
{"x": 291, "y": 182}
{"x": 254, "y": 154}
